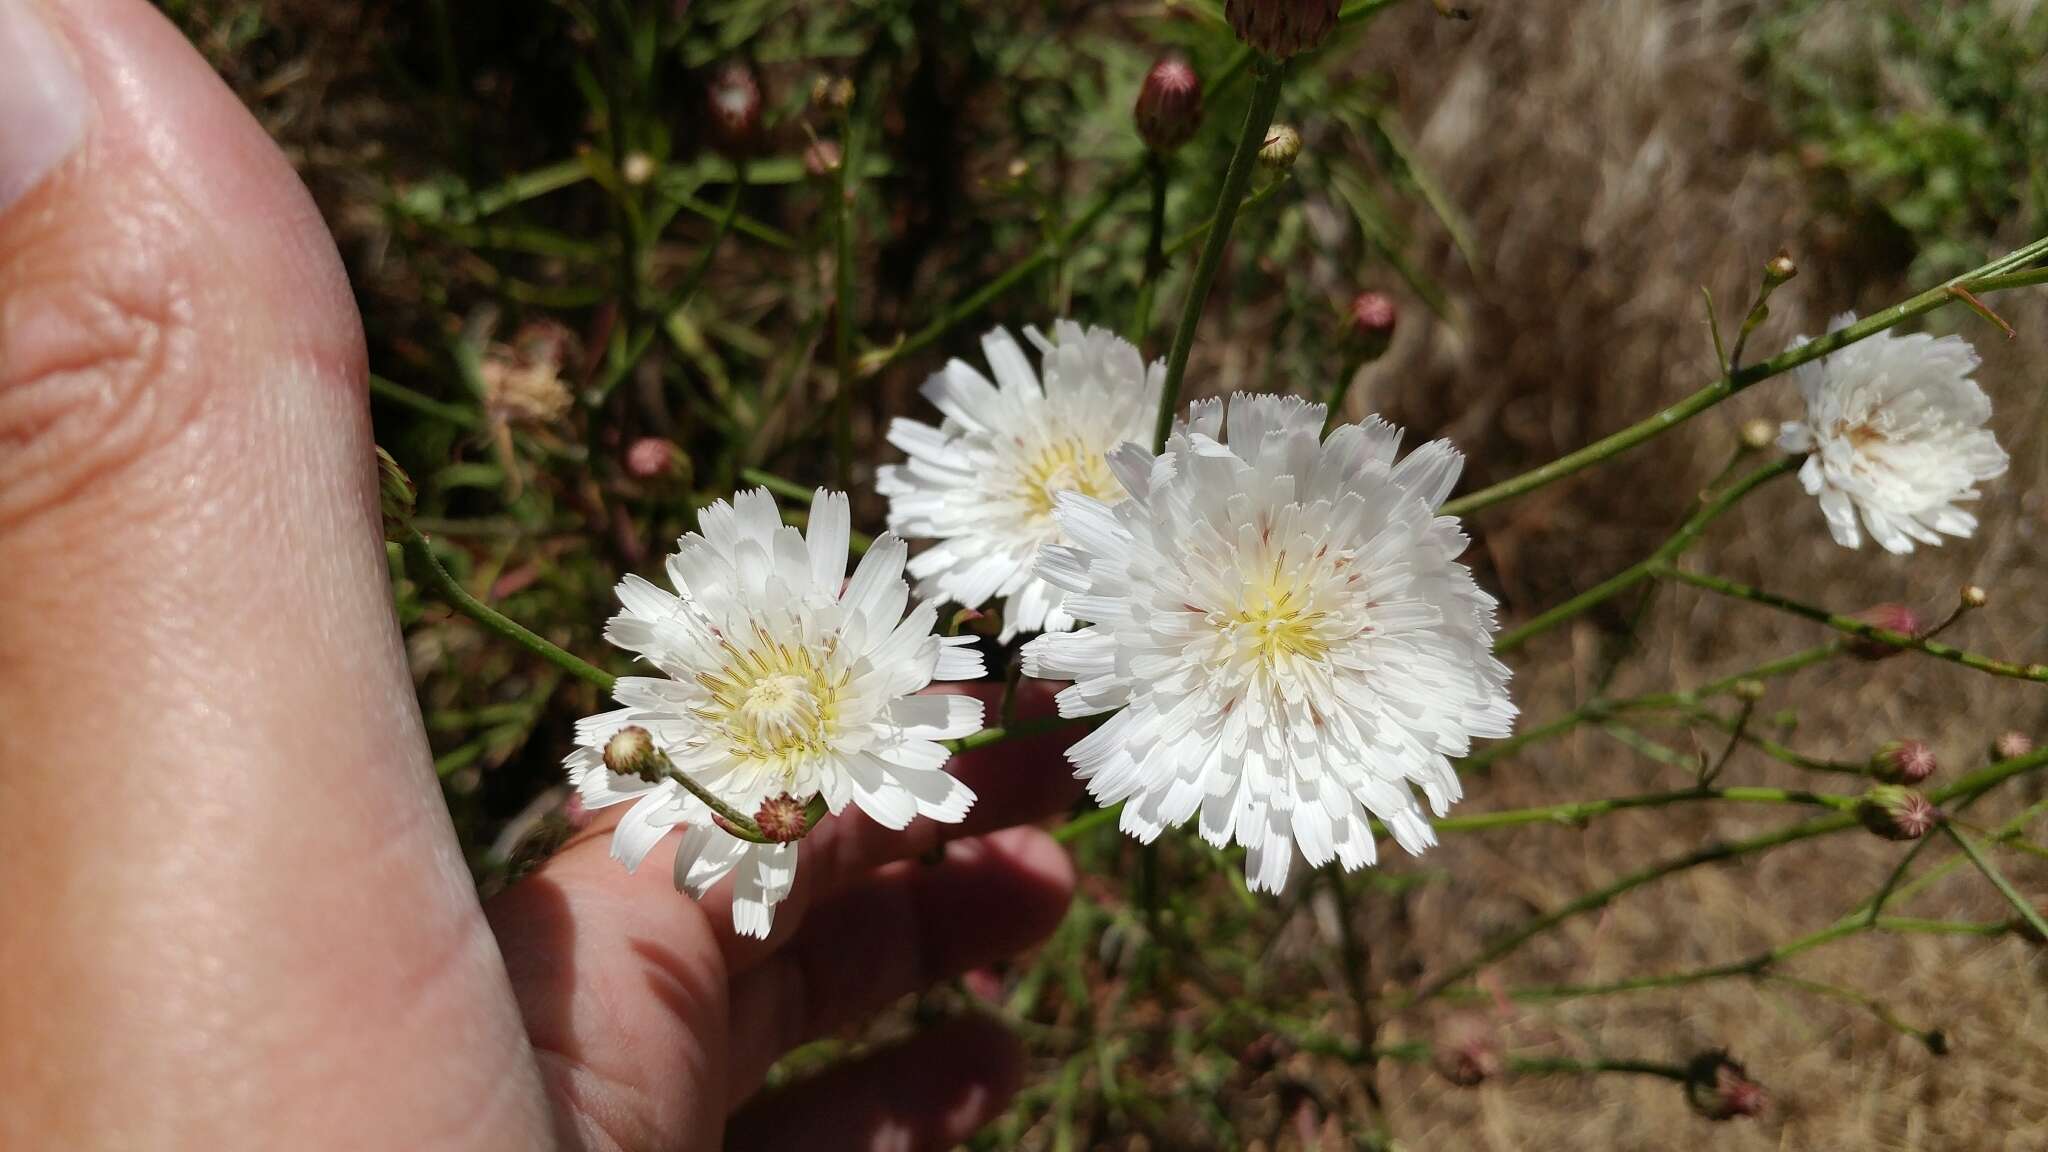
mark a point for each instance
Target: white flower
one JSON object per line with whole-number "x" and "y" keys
{"x": 779, "y": 677}
{"x": 1895, "y": 428}
{"x": 1287, "y": 632}
{"x": 983, "y": 483}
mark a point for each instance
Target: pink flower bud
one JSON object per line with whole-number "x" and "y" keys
{"x": 650, "y": 457}
{"x": 1373, "y": 315}
{"x": 2012, "y": 745}
{"x": 1897, "y": 813}
{"x": 782, "y": 819}
{"x": 1891, "y": 618}
{"x": 734, "y": 103}
{"x": 1282, "y": 28}
{"x": 1903, "y": 762}
{"x": 1169, "y": 106}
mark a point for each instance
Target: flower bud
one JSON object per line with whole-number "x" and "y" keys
{"x": 395, "y": 493}
{"x": 1281, "y": 28}
{"x": 1973, "y": 596}
{"x": 1373, "y": 315}
{"x": 832, "y": 95}
{"x": 651, "y": 457}
{"x": 1891, "y": 618}
{"x": 823, "y": 158}
{"x": 734, "y": 101}
{"x": 637, "y": 168}
{"x": 1779, "y": 269}
{"x": 1282, "y": 145}
{"x": 1468, "y": 1050}
{"x": 631, "y": 752}
{"x": 2012, "y": 745}
{"x": 1759, "y": 434}
{"x": 1718, "y": 1088}
{"x": 1749, "y": 690}
{"x": 1169, "y": 107}
{"x": 1897, "y": 813}
{"x": 782, "y": 819}
{"x": 1903, "y": 762}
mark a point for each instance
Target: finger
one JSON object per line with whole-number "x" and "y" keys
{"x": 929, "y": 1092}
{"x": 909, "y": 926}
{"x": 227, "y": 837}
{"x": 1019, "y": 781}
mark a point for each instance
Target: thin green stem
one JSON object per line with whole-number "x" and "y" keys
{"x": 404, "y": 397}
{"x": 1253, "y": 202}
{"x": 1687, "y": 535}
{"x": 1267, "y": 79}
{"x": 1853, "y": 627}
{"x": 2025, "y": 907}
{"x": 426, "y": 568}
{"x": 1743, "y": 378}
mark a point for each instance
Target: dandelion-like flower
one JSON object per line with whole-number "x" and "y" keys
{"x": 1895, "y": 430}
{"x": 983, "y": 483}
{"x": 1284, "y": 624}
{"x": 781, "y": 680}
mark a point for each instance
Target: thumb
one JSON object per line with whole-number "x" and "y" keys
{"x": 230, "y": 888}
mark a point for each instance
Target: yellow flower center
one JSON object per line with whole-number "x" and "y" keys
{"x": 1276, "y": 619}
{"x": 1067, "y": 465}
{"x": 772, "y": 702}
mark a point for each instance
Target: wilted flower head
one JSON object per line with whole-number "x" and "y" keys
{"x": 1285, "y": 628}
{"x": 781, "y": 680}
{"x": 1169, "y": 105}
{"x": 983, "y": 484}
{"x": 1281, "y": 28}
{"x": 1895, "y": 429}
{"x": 1719, "y": 1088}
{"x": 523, "y": 380}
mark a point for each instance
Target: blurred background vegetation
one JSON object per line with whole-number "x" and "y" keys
{"x": 556, "y": 262}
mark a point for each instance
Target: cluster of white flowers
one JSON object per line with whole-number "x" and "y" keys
{"x": 1278, "y": 620}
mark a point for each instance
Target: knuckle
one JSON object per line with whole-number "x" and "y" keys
{"x": 97, "y": 338}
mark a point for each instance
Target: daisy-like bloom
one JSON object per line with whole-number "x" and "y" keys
{"x": 1895, "y": 431}
{"x": 781, "y": 680}
{"x": 984, "y": 482}
{"x": 1285, "y": 627}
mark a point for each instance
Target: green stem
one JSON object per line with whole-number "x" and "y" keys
{"x": 426, "y": 568}
{"x": 1185, "y": 240}
{"x": 1687, "y": 535}
{"x": 405, "y": 397}
{"x": 1743, "y": 378}
{"x": 2021, "y": 904}
{"x": 1267, "y": 79}
{"x": 1853, "y": 627}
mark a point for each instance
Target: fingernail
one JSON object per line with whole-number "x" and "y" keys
{"x": 42, "y": 99}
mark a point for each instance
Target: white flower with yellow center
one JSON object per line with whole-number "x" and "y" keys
{"x": 984, "y": 482}
{"x": 1894, "y": 428}
{"x": 782, "y": 680}
{"x": 1285, "y": 628}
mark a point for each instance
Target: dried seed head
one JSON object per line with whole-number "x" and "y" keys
{"x": 1281, "y": 28}
{"x": 782, "y": 819}
{"x": 650, "y": 457}
{"x": 1903, "y": 762}
{"x": 1282, "y": 146}
{"x": 523, "y": 380}
{"x": 1891, "y": 618}
{"x": 1719, "y": 1088}
{"x": 1169, "y": 107}
{"x": 1897, "y": 813}
{"x": 631, "y": 752}
{"x": 734, "y": 102}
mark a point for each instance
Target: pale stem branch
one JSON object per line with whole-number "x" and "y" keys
{"x": 2020, "y": 903}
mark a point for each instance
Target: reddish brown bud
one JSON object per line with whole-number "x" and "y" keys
{"x": 734, "y": 103}
{"x": 1719, "y": 1088}
{"x": 2012, "y": 745}
{"x": 650, "y": 457}
{"x": 1373, "y": 314}
{"x": 1281, "y": 28}
{"x": 1169, "y": 105}
{"x": 782, "y": 819}
{"x": 1890, "y": 617}
{"x": 1468, "y": 1051}
{"x": 1897, "y": 813}
{"x": 1903, "y": 762}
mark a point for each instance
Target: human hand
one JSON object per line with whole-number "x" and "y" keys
{"x": 235, "y": 911}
